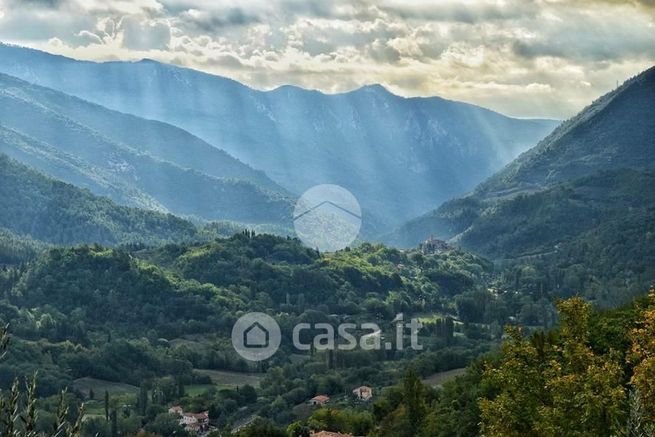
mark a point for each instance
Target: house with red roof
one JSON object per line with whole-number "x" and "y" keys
{"x": 319, "y": 400}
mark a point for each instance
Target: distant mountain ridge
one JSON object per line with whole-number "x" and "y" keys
{"x": 615, "y": 131}
{"x": 148, "y": 136}
{"x": 521, "y": 209}
{"x": 134, "y": 161}
{"x": 399, "y": 156}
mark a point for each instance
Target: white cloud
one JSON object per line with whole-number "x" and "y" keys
{"x": 522, "y": 57}
{"x": 145, "y": 34}
{"x": 87, "y": 37}
{"x": 126, "y": 7}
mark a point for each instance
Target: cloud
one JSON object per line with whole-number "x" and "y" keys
{"x": 117, "y": 7}
{"x": 522, "y": 57}
{"x": 34, "y": 3}
{"x": 457, "y": 11}
{"x": 86, "y": 38}
{"x": 145, "y": 34}
{"x": 208, "y": 21}
{"x": 579, "y": 35}
{"x": 23, "y": 24}
{"x": 223, "y": 60}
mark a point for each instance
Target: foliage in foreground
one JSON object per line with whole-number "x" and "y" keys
{"x": 556, "y": 384}
{"x": 18, "y": 409}
{"x": 594, "y": 375}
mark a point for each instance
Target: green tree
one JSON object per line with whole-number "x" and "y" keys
{"x": 261, "y": 427}
{"x": 555, "y": 386}
{"x": 143, "y": 399}
{"x": 642, "y": 355}
{"x": 414, "y": 401}
{"x": 106, "y": 406}
{"x": 114, "y": 423}
{"x": 18, "y": 414}
{"x": 166, "y": 425}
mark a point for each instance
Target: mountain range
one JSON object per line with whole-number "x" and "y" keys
{"x": 404, "y": 153}
{"x": 399, "y": 156}
{"x": 587, "y": 185}
{"x": 131, "y": 172}
{"x": 133, "y": 161}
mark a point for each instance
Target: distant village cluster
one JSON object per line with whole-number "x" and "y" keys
{"x": 434, "y": 245}
{"x": 198, "y": 423}
{"x": 362, "y": 393}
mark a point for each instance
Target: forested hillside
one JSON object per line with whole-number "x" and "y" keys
{"x": 160, "y": 318}
{"x": 592, "y": 236}
{"x": 16, "y": 249}
{"x": 33, "y": 205}
{"x": 157, "y": 139}
{"x": 615, "y": 131}
{"x": 577, "y": 210}
{"x": 327, "y": 218}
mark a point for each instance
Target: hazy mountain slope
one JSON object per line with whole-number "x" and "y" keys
{"x": 73, "y": 170}
{"x": 616, "y": 132}
{"x": 32, "y": 204}
{"x": 158, "y": 139}
{"x": 37, "y": 132}
{"x": 399, "y": 156}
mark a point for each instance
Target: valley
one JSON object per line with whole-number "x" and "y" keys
{"x": 141, "y": 220}
{"x": 396, "y": 155}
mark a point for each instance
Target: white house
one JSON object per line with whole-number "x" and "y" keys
{"x": 363, "y": 393}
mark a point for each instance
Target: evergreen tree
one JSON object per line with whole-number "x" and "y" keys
{"x": 413, "y": 399}
{"x": 114, "y": 423}
{"x": 106, "y": 405}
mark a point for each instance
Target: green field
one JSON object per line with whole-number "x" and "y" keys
{"x": 231, "y": 379}
{"x": 99, "y": 386}
{"x": 439, "y": 378}
{"x": 197, "y": 389}
{"x": 429, "y": 318}
{"x": 94, "y": 409}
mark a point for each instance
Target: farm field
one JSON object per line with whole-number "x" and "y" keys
{"x": 227, "y": 379}
{"x": 99, "y": 387}
{"x": 439, "y": 378}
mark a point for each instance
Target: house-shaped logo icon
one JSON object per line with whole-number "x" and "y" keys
{"x": 256, "y": 337}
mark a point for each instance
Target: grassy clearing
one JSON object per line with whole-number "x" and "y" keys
{"x": 231, "y": 379}
{"x": 428, "y": 318}
{"x": 94, "y": 408}
{"x": 197, "y": 389}
{"x": 99, "y": 386}
{"x": 440, "y": 378}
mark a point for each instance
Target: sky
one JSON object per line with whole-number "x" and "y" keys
{"x": 525, "y": 58}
